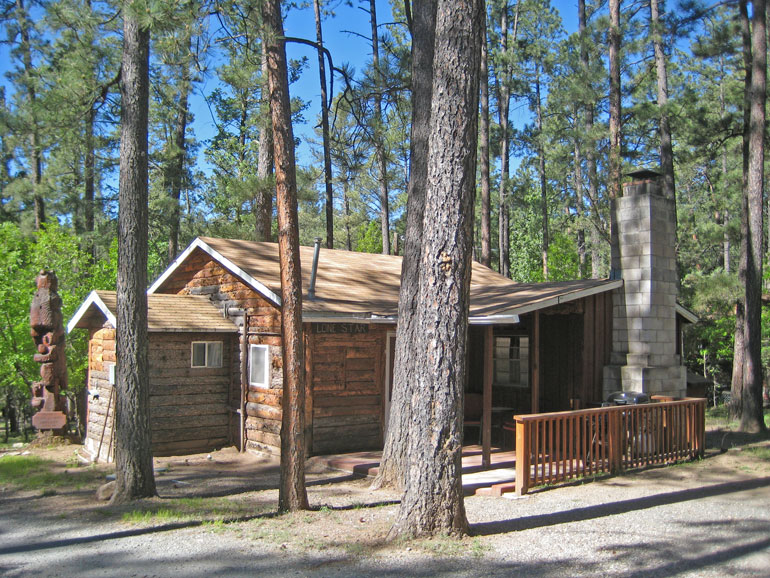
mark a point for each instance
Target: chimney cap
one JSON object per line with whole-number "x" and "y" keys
{"x": 644, "y": 174}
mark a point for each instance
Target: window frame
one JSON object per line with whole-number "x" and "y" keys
{"x": 207, "y": 354}
{"x": 522, "y": 361}
{"x": 266, "y": 373}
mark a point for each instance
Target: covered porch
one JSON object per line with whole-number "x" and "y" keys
{"x": 551, "y": 361}
{"x": 558, "y": 447}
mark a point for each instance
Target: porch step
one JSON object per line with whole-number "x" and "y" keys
{"x": 497, "y": 490}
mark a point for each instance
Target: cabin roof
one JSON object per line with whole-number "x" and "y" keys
{"x": 353, "y": 285}
{"x": 165, "y": 313}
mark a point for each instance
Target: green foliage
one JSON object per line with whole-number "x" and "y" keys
{"x": 55, "y": 248}
{"x": 370, "y": 238}
{"x": 34, "y": 473}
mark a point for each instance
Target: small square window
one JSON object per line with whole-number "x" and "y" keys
{"x": 259, "y": 365}
{"x": 206, "y": 354}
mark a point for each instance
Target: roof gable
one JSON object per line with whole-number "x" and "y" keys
{"x": 165, "y": 313}
{"x": 364, "y": 285}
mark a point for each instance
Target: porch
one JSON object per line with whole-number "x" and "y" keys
{"x": 559, "y": 447}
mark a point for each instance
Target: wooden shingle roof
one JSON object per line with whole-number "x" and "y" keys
{"x": 165, "y": 313}
{"x": 367, "y": 285}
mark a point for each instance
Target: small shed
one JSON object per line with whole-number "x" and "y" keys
{"x": 193, "y": 376}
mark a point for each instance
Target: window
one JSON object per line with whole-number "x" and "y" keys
{"x": 259, "y": 365}
{"x": 511, "y": 361}
{"x": 206, "y": 354}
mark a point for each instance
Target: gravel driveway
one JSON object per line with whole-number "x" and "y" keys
{"x": 710, "y": 518}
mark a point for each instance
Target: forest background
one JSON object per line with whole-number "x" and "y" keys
{"x": 547, "y": 86}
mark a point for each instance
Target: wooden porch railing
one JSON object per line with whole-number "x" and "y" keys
{"x": 556, "y": 447}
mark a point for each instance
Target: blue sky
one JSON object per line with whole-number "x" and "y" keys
{"x": 346, "y": 35}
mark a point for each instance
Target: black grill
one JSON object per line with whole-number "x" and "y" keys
{"x": 627, "y": 398}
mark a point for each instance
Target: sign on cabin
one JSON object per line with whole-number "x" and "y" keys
{"x": 340, "y": 328}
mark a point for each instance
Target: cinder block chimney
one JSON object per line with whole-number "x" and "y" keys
{"x": 644, "y": 336}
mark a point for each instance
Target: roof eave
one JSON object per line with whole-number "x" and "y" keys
{"x": 198, "y": 243}
{"x": 92, "y": 299}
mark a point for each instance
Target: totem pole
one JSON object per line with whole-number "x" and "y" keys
{"x": 45, "y": 318}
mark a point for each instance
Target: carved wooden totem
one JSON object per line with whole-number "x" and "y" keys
{"x": 45, "y": 319}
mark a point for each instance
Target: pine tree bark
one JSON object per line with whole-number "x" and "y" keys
{"x": 593, "y": 188}
{"x": 393, "y": 464}
{"x": 503, "y": 104}
{"x": 541, "y": 174}
{"x": 615, "y": 169}
{"x": 664, "y": 128}
{"x": 432, "y": 502}
{"x": 379, "y": 137}
{"x": 263, "y": 198}
{"x": 133, "y": 453}
{"x": 325, "y": 130}
{"x": 175, "y": 178}
{"x": 292, "y": 494}
{"x": 752, "y": 418}
{"x": 739, "y": 350}
{"x": 486, "y": 210}
{"x": 34, "y": 151}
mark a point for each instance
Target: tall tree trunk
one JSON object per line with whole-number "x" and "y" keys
{"x": 541, "y": 172}
{"x": 579, "y": 208}
{"x": 35, "y": 152}
{"x": 593, "y": 188}
{"x": 615, "y": 169}
{"x": 664, "y": 128}
{"x": 348, "y": 236}
{"x": 379, "y": 137}
{"x": 393, "y": 465}
{"x": 752, "y": 419}
{"x": 179, "y": 149}
{"x": 325, "y": 130}
{"x": 739, "y": 350}
{"x": 486, "y": 224}
{"x": 432, "y": 502}
{"x": 726, "y": 264}
{"x": 133, "y": 452}
{"x": 263, "y": 202}
{"x": 503, "y": 104}
{"x": 89, "y": 182}
{"x": 292, "y": 494}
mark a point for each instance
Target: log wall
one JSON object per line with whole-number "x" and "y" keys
{"x": 101, "y": 406}
{"x": 188, "y": 406}
{"x": 347, "y": 374}
{"x": 261, "y": 424}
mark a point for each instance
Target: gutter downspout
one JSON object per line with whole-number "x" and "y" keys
{"x": 314, "y": 271}
{"x": 244, "y": 381}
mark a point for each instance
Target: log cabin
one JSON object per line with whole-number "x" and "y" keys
{"x": 215, "y": 343}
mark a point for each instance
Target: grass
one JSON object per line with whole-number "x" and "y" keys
{"x": 34, "y": 473}
{"x": 209, "y": 510}
{"x": 12, "y": 439}
{"x": 759, "y": 452}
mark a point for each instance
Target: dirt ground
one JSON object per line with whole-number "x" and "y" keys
{"x": 214, "y": 511}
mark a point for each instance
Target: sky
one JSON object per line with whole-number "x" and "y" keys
{"x": 339, "y": 32}
{"x": 346, "y": 34}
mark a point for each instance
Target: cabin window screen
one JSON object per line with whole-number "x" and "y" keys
{"x": 259, "y": 365}
{"x": 511, "y": 361}
{"x": 206, "y": 354}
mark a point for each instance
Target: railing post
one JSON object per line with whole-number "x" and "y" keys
{"x": 614, "y": 442}
{"x": 523, "y": 456}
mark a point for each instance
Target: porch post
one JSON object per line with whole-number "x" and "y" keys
{"x": 486, "y": 418}
{"x": 535, "y": 362}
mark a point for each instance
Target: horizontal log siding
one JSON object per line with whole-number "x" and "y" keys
{"x": 188, "y": 406}
{"x": 347, "y": 376}
{"x": 101, "y": 353}
{"x": 201, "y": 275}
